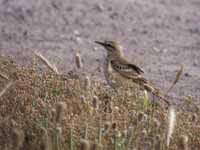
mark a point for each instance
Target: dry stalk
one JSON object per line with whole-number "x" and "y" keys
{"x": 178, "y": 76}
{"x": 4, "y": 76}
{"x": 6, "y": 88}
{"x": 45, "y": 139}
{"x": 55, "y": 68}
{"x": 171, "y": 123}
{"x": 18, "y": 138}
{"x": 46, "y": 62}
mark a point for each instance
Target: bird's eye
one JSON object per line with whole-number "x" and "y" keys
{"x": 109, "y": 45}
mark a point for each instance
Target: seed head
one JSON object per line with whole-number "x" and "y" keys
{"x": 18, "y": 138}
{"x": 95, "y": 103}
{"x": 184, "y": 142}
{"x": 78, "y": 60}
{"x": 87, "y": 82}
{"x": 60, "y": 109}
{"x": 171, "y": 123}
{"x": 84, "y": 144}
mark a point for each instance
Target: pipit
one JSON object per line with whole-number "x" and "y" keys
{"x": 118, "y": 71}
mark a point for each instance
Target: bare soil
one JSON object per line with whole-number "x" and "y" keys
{"x": 157, "y": 35}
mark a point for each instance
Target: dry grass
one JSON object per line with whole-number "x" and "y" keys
{"x": 43, "y": 110}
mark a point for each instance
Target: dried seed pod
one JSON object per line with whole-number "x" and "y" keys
{"x": 156, "y": 122}
{"x": 18, "y": 138}
{"x": 142, "y": 117}
{"x": 184, "y": 142}
{"x": 107, "y": 125}
{"x": 87, "y": 82}
{"x": 144, "y": 133}
{"x": 194, "y": 117}
{"x": 78, "y": 60}
{"x": 60, "y": 109}
{"x": 95, "y": 103}
{"x": 84, "y": 144}
{"x": 116, "y": 109}
{"x": 114, "y": 125}
{"x": 106, "y": 128}
{"x": 83, "y": 99}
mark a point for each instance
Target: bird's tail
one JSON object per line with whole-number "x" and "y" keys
{"x": 150, "y": 88}
{"x": 155, "y": 92}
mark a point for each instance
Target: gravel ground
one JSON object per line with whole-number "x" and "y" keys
{"x": 157, "y": 35}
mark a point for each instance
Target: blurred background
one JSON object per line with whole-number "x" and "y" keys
{"x": 157, "y": 35}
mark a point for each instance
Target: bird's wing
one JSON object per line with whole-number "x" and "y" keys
{"x": 125, "y": 68}
{"x": 129, "y": 71}
{"x": 136, "y": 68}
{"x": 130, "y": 65}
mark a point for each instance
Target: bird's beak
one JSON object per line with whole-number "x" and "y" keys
{"x": 100, "y": 43}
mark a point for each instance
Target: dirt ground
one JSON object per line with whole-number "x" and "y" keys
{"x": 157, "y": 35}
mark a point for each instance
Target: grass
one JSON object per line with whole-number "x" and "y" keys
{"x": 42, "y": 110}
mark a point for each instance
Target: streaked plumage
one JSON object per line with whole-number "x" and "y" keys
{"x": 124, "y": 70}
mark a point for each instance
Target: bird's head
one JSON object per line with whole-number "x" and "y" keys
{"x": 110, "y": 46}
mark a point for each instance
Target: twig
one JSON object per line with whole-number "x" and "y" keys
{"x": 45, "y": 61}
{"x": 6, "y": 88}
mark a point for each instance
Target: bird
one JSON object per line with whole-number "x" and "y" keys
{"x": 119, "y": 71}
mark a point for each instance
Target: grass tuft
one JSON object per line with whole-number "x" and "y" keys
{"x": 46, "y": 111}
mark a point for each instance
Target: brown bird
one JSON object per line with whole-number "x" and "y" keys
{"x": 119, "y": 70}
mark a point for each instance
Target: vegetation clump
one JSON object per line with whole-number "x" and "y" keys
{"x": 45, "y": 110}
